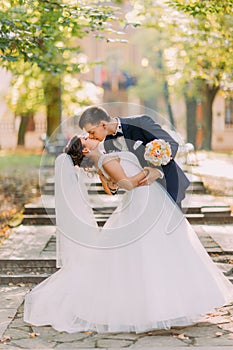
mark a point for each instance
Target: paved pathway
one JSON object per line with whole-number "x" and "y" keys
{"x": 214, "y": 332}
{"x": 216, "y": 171}
{"x": 38, "y": 242}
{"x": 26, "y": 242}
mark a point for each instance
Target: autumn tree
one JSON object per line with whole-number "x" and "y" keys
{"x": 153, "y": 38}
{"x": 205, "y": 56}
{"x": 47, "y": 35}
{"x": 195, "y": 50}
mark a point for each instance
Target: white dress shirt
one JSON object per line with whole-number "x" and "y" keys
{"x": 120, "y": 142}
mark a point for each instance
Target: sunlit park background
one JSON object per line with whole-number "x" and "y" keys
{"x": 174, "y": 57}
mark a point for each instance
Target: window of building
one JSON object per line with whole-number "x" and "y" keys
{"x": 229, "y": 113}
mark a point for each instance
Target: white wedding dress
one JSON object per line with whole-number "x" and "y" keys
{"x": 145, "y": 269}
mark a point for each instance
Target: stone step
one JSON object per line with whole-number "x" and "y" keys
{"x": 22, "y": 278}
{"x": 209, "y": 219}
{"x": 104, "y": 209}
{"x": 93, "y": 190}
{"x": 192, "y": 210}
{"x": 11, "y": 266}
{"x": 36, "y": 278}
{"x": 51, "y": 220}
{"x": 192, "y": 178}
{"x": 226, "y": 269}
{"x": 39, "y": 220}
{"x": 32, "y": 210}
{"x": 99, "y": 190}
{"x": 48, "y": 191}
{"x": 33, "y": 270}
{"x": 216, "y": 211}
{"x": 207, "y": 210}
{"x": 196, "y": 188}
{"x": 224, "y": 217}
{"x": 50, "y": 185}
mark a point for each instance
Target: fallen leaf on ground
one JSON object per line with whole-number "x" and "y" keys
{"x": 219, "y": 313}
{"x": 5, "y": 339}
{"x": 219, "y": 320}
{"x": 227, "y": 327}
{"x": 218, "y": 334}
{"x": 33, "y": 335}
{"x": 88, "y": 332}
{"x": 181, "y": 336}
{"x": 20, "y": 284}
{"x": 224, "y": 311}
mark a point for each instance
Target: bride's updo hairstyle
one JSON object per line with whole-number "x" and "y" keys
{"x": 74, "y": 149}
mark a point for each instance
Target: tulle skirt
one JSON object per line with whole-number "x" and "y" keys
{"x": 160, "y": 277}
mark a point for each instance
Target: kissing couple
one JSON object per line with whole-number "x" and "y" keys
{"x": 145, "y": 268}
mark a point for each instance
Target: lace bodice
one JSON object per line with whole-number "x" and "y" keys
{"x": 128, "y": 161}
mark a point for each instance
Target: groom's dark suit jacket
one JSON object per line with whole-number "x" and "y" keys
{"x": 143, "y": 128}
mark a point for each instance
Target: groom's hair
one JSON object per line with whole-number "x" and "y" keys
{"x": 93, "y": 115}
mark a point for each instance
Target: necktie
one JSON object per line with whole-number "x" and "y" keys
{"x": 118, "y": 134}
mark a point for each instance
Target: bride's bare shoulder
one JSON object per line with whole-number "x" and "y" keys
{"x": 109, "y": 157}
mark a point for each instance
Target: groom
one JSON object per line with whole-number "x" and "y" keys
{"x": 132, "y": 134}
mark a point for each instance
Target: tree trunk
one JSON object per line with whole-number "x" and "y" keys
{"x": 207, "y": 118}
{"x": 53, "y": 105}
{"x": 23, "y": 128}
{"x": 165, "y": 89}
{"x": 151, "y": 104}
{"x": 191, "y": 125}
{"x": 167, "y": 101}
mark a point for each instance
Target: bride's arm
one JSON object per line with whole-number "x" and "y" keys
{"x": 115, "y": 171}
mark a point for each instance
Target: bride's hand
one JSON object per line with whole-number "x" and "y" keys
{"x": 112, "y": 185}
{"x": 153, "y": 174}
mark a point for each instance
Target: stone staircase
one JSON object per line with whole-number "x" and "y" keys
{"x": 195, "y": 215}
{"x": 201, "y": 209}
{"x": 206, "y": 213}
{"x": 26, "y": 270}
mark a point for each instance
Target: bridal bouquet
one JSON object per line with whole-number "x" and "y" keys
{"x": 158, "y": 152}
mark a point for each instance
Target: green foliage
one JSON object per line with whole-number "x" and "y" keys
{"x": 16, "y": 163}
{"x": 46, "y": 32}
{"x": 203, "y": 8}
{"x": 41, "y": 40}
{"x": 150, "y": 77}
{"x": 205, "y": 48}
{"x": 198, "y": 54}
{"x": 26, "y": 93}
{"x": 196, "y": 47}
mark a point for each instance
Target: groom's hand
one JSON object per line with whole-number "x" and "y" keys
{"x": 153, "y": 174}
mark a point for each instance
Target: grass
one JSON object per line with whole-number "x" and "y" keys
{"x": 19, "y": 184}
{"x": 10, "y": 162}
{"x": 21, "y": 162}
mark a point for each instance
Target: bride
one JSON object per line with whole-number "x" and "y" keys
{"x": 145, "y": 269}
